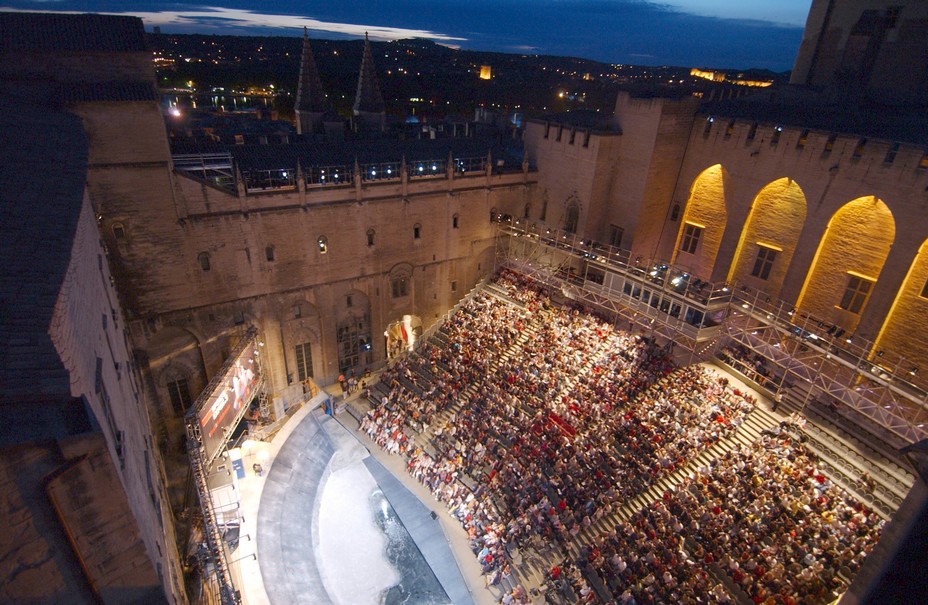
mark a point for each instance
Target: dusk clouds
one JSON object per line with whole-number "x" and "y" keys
{"x": 676, "y": 32}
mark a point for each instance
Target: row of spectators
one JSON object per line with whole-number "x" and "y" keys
{"x": 765, "y": 516}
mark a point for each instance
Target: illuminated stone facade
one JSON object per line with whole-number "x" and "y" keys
{"x": 830, "y": 222}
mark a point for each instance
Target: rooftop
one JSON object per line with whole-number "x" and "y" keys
{"x": 276, "y": 156}
{"x": 106, "y": 91}
{"x": 50, "y": 32}
{"x": 582, "y": 119}
{"x": 807, "y": 108}
{"x": 41, "y": 210}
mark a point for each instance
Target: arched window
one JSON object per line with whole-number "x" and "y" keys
{"x": 573, "y": 218}
{"x": 176, "y": 382}
{"x": 179, "y": 393}
{"x": 323, "y": 244}
{"x": 400, "y": 278}
{"x": 370, "y": 237}
{"x": 203, "y": 259}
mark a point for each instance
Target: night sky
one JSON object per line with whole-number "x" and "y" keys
{"x": 736, "y": 34}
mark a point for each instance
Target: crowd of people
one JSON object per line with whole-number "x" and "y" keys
{"x": 532, "y": 422}
{"x": 765, "y": 515}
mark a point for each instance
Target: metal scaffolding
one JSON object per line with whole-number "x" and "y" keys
{"x": 798, "y": 355}
{"x": 201, "y": 461}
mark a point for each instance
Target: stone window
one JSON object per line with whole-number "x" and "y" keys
{"x": 304, "y": 361}
{"x": 349, "y": 302}
{"x": 455, "y": 221}
{"x": 859, "y": 148}
{"x": 803, "y": 139}
{"x": 925, "y": 290}
{"x": 691, "y": 235}
{"x": 417, "y": 231}
{"x": 119, "y": 231}
{"x": 323, "y": 244}
{"x": 675, "y": 213}
{"x": 764, "y": 261}
{"x": 269, "y": 253}
{"x": 730, "y": 129}
{"x": 454, "y": 286}
{"x": 203, "y": 259}
{"x": 615, "y": 236}
{"x": 400, "y": 286}
{"x": 573, "y": 218}
{"x": 370, "y": 237}
{"x": 890, "y": 156}
{"x": 179, "y": 392}
{"x": 856, "y": 293}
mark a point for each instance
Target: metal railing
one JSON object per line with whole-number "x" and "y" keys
{"x": 582, "y": 268}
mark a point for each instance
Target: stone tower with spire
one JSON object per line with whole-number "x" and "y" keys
{"x": 310, "y": 99}
{"x": 369, "y": 109}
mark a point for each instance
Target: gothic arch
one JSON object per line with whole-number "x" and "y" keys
{"x": 909, "y": 309}
{"x": 848, "y": 262}
{"x": 703, "y": 224}
{"x": 769, "y": 236}
{"x": 171, "y": 343}
{"x": 177, "y": 371}
{"x": 353, "y": 304}
{"x": 401, "y": 270}
{"x": 572, "y": 208}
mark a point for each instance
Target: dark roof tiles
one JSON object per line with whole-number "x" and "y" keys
{"x": 106, "y": 91}
{"x": 51, "y": 32}
{"x": 42, "y": 179}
